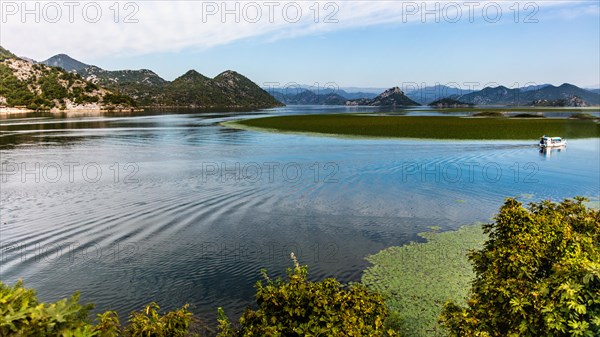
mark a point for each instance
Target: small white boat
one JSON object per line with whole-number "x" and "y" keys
{"x": 546, "y": 142}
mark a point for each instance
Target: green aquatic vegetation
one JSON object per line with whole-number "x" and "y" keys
{"x": 509, "y": 109}
{"x": 430, "y": 127}
{"x": 526, "y": 196}
{"x": 418, "y": 278}
{"x": 593, "y": 204}
{"x": 583, "y": 116}
{"x": 488, "y": 114}
{"x": 529, "y": 115}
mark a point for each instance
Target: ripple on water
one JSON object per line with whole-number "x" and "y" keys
{"x": 174, "y": 235}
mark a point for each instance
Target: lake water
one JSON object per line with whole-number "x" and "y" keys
{"x": 173, "y": 207}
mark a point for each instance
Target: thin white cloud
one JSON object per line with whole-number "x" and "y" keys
{"x": 164, "y": 26}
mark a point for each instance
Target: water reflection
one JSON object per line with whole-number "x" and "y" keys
{"x": 549, "y": 152}
{"x": 58, "y": 128}
{"x": 182, "y": 231}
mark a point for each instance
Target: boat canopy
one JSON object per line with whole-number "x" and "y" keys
{"x": 554, "y": 139}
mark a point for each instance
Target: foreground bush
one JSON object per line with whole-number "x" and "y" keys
{"x": 537, "y": 275}
{"x": 302, "y": 308}
{"x": 22, "y": 315}
{"x": 293, "y": 308}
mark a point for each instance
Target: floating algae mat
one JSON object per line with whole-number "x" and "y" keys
{"x": 431, "y": 127}
{"x": 418, "y": 278}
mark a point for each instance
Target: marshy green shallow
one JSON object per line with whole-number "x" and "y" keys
{"x": 417, "y": 279}
{"x": 566, "y": 110}
{"x": 430, "y": 127}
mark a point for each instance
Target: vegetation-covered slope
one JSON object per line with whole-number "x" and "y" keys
{"x": 37, "y": 86}
{"x": 143, "y": 85}
{"x": 228, "y": 90}
{"x": 5, "y": 54}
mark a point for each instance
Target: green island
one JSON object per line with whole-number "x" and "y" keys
{"x": 533, "y": 271}
{"x": 430, "y": 127}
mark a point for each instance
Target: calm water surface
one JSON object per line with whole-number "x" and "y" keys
{"x": 175, "y": 208}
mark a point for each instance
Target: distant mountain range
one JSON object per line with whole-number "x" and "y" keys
{"x": 307, "y": 97}
{"x": 426, "y": 95}
{"x": 539, "y": 94}
{"x": 62, "y": 82}
{"x": 227, "y": 90}
{"x": 303, "y": 95}
{"x": 564, "y": 95}
{"x": 534, "y": 87}
{"x": 596, "y": 91}
{"x": 446, "y": 96}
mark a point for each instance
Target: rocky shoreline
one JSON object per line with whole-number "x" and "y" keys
{"x": 11, "y": 111}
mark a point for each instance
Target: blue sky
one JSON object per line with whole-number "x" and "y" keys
{"x": 369, "y": 46}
